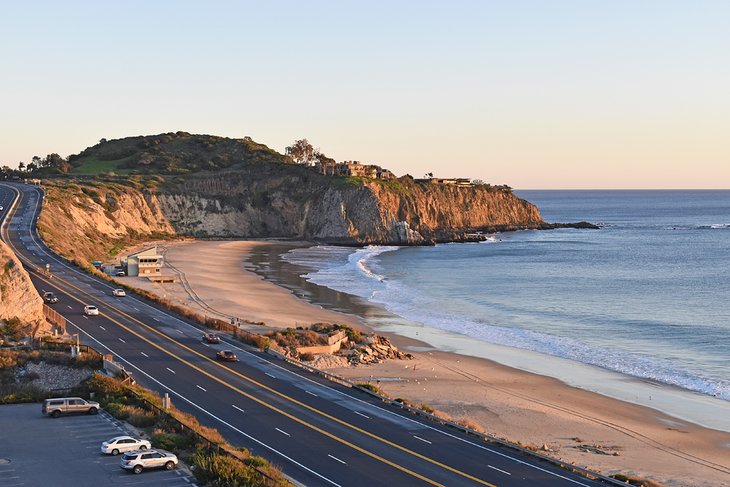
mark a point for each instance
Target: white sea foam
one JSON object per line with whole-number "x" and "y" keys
{"x": 353, "y": 272}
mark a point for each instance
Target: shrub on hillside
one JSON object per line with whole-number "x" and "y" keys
{"x": 216, "y": 470}
{"x": 171, "y": 441}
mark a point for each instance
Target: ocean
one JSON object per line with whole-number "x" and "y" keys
{"x": 645, "y": 297}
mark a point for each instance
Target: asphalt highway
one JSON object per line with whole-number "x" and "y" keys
{"x": 318, "y": 432}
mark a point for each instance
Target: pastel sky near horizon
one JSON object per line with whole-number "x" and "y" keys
{"x": 533, "y": 94}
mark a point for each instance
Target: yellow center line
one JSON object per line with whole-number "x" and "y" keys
{"x": 273, "y": 391}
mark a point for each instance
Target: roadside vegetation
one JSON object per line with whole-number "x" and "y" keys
{"x": 214, "y": 461}
{"x": 18, "y": 386}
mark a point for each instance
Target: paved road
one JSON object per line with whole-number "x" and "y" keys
{"x": 320, "y": 433}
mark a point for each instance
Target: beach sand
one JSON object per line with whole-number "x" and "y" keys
{"x": 218, "y": 278}
{"x": 585, "y": 428}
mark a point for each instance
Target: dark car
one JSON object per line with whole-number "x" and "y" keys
{"x": 50, "y": 297}
{"x": 211, "y": 338}
{"x": 226, "y": 356}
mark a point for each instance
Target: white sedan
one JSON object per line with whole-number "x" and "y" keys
{"x": 90, "y": 310}
{"x": 120, "y": 444}
{"x": 119, "y": 292}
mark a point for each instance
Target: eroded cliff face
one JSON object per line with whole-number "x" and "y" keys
{"x": 306, "y": 205}
{"x": 92, "y": 220}
{"x": 18, "y": 297}
{"x": 84, "y": 225}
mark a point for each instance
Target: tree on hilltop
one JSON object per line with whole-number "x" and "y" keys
{"x": 301, "y": 152}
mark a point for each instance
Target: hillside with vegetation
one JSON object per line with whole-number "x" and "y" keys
{"x": 171, "y": 153}
{"x": 170, "y": 185}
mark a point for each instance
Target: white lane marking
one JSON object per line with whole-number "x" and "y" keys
{"x": 335, "y": 458}
{"x": 272, "y": 376}
{"x": 282, "y": 432}
{"x": 122, "y": 340}
{"x": 156, "y": 319}
{"x": 221, "y": 420}
{"x": 69, "y": 307}
{"x": 135, "y": 308}
{"x": 179, "y": 331}
{"x": 361, "y": 414}
{"x": 206, "y": 345}
{"x": 499, "y": 470}
{"x": 420, "y": 423}
{"x": 425, "y": 441}
{"x": 312, "y": 393}
{"x": 168, "y": 368}
{"x": 85, "y": 317}
{"x": 201, "y": 388}
{"x": 102, "y": 327}
{"x": 236, "y": 407}
{"x": 144, "y": 354}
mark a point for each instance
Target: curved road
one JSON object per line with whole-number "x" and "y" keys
{"x": 318, "y": 432}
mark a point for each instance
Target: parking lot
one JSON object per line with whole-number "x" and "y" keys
{"x": 36, "y": 450}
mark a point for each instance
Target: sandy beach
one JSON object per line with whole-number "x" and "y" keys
{"x": 586, "y": 428}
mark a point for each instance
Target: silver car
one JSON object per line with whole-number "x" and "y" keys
{"x": 136, "y": 461}
{"x": 120, "y": 444}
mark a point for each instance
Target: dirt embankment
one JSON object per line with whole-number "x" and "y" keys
{"x": 18, "y": 298}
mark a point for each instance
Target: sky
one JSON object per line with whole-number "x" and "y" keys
{"x": 533, "y": 94}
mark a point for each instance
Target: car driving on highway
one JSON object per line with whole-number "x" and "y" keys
{"x": 211, "y": 338}
{"x": 90, "y": 310}
{"x": 121, "y": 444}
{"x": 226, "y": 356}
{"x": 136, "y": 461}
{"x": 50, "y": 298}
{"x": 119, "y": 293}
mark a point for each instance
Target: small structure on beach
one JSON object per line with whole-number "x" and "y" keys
{"x": 144, "y": 262}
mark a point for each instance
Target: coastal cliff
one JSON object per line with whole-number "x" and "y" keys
{"x": 18, "y": 297}
{"x": 179, "y": 184}
{"x": 293, "y": 202}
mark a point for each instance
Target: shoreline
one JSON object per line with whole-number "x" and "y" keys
{"x": 522, "y": 406}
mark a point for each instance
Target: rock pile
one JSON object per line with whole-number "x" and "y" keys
{"x": 374, "y": 350}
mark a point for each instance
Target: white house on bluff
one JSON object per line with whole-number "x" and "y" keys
{"x": 144, "y": 263}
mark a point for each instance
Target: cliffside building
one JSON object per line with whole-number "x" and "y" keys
{"x": 352, "y": 168}
{"x": 146, "y": 262}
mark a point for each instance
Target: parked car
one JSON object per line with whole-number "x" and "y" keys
{"x": 120, "y": 274}
{"x": 136, "y": 461}
{"x": 119, "y": 293}
{"x": 226, "y": 356}
{"x": 90, "y": 310}
{"x": 211, "y": 338}
{"x": 1, "y": 208}
{"x": 121, "y": 444}
{"x": 49, "y": 297}
{"x": 68, "y": 405}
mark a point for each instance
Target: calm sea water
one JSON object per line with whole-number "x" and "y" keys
{"x": 647, "y": 295}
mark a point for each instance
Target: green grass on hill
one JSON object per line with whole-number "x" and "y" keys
{"x": 92, "y": 165}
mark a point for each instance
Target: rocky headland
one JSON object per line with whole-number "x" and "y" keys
{"x": 174, "y": 185}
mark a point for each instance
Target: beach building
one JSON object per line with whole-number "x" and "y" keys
{"x": 144, "y": 263}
